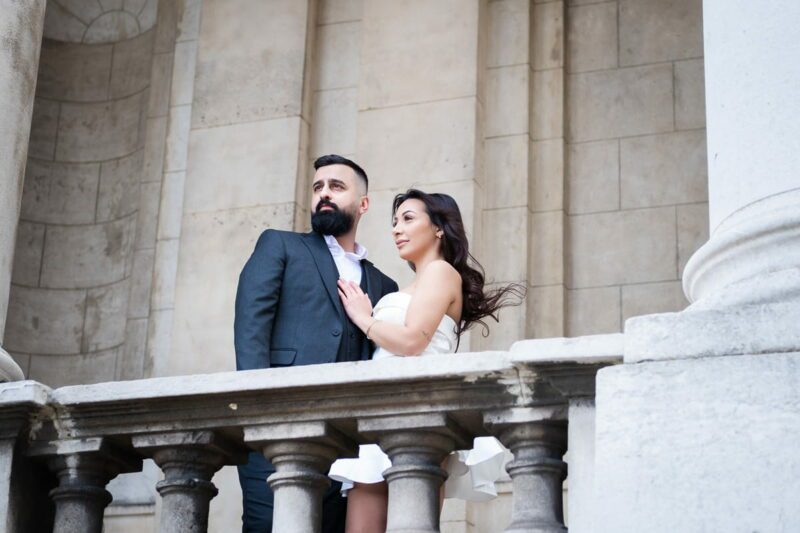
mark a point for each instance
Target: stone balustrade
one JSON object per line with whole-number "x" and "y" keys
{"x": 417, "y": 409}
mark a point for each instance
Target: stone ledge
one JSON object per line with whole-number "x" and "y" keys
{"x": 747, "y": 330}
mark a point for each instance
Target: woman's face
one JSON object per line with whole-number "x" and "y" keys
{"x": 412, "y": 230}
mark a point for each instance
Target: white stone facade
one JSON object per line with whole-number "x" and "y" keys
{"x": 165, "y": 136}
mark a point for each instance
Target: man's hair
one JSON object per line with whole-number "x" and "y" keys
{"x": 333, "y": 159}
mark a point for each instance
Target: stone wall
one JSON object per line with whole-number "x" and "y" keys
{"x": 571, "y": 132}
{"x": 74, "y": 258}
{"x": 636, "y": 158}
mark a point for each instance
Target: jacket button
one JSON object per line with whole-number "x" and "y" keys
{"x": 336, "y": 332}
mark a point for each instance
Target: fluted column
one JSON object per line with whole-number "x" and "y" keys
{"x": 189, "y": 460}
{"x": 302, "y": 454}
{"x": 21, "y": 23}
{"x": 83, "y": 468}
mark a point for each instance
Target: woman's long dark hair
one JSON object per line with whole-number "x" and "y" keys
{"x": 478, "y": 303}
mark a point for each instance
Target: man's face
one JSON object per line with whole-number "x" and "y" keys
{"x": 338, "y": 200}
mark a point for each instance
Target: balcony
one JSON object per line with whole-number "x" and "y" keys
{"x": 536, "y": 398}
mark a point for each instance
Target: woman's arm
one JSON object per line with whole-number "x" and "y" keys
{"x": 437, "y": 288}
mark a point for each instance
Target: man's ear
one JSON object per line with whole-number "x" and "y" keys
{"x": 363, "y": 205}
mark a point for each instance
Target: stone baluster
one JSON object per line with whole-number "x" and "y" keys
{"x": 537, "y": 471}
{"x": 83, "y": 468}
{"x": 417, "y": 445}
{"x": 188, "y": 459}
{"x": 302, "y": 454}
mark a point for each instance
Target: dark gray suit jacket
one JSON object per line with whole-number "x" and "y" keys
{"x": 288, "y": 310}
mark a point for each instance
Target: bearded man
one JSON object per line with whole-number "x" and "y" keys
{"x": 288, "y": 310}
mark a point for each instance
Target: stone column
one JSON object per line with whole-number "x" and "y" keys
{"x": 188, "y": 459}
{"x": 538, "y": 439}
{"x": 81, "y": 497}
{"x": 753, "y": 255}
{"x": 693, "y": 431}
{"x": 302, "y": 454}
{"x": 21, "y": 23}
{"x": 417, "y": 445}
{"x": 83, "y": 468}
{"x": 415, "y": 479}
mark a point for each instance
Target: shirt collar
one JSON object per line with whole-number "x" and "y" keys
{"x": 337, "y": 250}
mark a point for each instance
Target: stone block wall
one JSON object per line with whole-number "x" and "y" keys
{"x": 75, "y": 257}
{"x": 635, "y": 158}
{"x": 571, "y": 133}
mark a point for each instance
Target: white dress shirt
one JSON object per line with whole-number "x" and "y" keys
{"x": 347, "y": 263}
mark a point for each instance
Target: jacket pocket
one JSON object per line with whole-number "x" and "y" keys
{"x": 282, "y": 357}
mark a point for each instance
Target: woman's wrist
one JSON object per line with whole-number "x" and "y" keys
{"x": 363, "y": 322}
{"x": 370, "y": 328}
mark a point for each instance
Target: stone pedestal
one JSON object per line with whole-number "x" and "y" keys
{"x": 21, "y": 24}
{"x": 697, "y": 430}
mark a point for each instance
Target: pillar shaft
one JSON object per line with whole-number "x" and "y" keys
{"x": 21, "y": 24}
{"x": 751, "y": 102}
{"x": 538, "y": 473}
{"x": 81, "y": 497}
{"x": 186, "y": 490}
{"x": 299, "y": 483}
{"x": 753, "y": 255}
{"x": 415, "y": 479}
{"x": 189, "y": 460}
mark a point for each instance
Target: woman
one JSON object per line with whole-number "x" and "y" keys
{"x": 425, "y": 318}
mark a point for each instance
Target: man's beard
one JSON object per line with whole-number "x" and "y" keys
{"x": 333, "y": 222}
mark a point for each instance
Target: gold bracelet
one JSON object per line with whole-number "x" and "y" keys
{"x": 366, "y": 333}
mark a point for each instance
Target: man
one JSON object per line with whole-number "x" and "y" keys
{"x": 288, "y": 310}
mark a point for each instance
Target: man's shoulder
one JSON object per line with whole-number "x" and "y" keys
{"x": 285, "y": 236}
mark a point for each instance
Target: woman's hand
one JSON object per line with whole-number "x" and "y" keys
{"x": 356, "y": 303}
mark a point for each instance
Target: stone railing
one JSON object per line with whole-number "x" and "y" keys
{"x": 303, "y": 418}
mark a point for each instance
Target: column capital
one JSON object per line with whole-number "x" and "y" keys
{"x": 380, "y": 428}
{"x": 94, "y": 456}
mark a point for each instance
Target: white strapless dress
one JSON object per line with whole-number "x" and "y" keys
{"x": 471, "y": 473}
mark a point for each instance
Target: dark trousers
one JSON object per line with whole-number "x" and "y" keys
{"x": 258, "y": 500}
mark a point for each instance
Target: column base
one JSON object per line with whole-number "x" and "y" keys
{"x": 9, "y": 369}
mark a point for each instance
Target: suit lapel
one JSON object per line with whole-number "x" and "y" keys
{"x": 374, "y": 284}
{"x": 326, "y": 267}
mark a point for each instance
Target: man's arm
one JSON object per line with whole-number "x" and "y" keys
{"x": 257, "y": 301}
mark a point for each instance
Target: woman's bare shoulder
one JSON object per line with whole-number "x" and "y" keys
{"x": 440, "y": 271}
